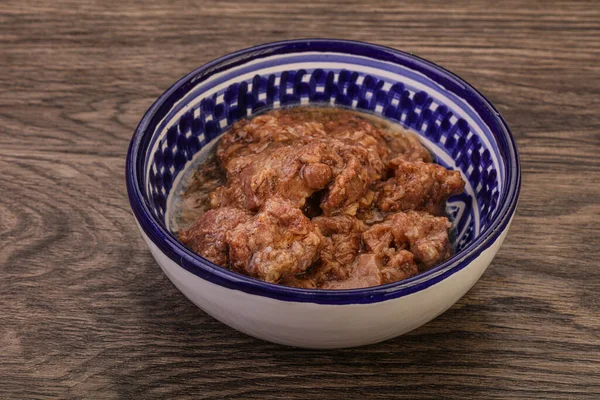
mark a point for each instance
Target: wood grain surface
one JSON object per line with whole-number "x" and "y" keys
{"x": 85, "y": 312}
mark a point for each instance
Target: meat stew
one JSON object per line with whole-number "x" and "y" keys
{"x": 320, "y": 198}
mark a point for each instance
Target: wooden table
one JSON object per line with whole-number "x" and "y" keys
{"x": 85, "y": 312}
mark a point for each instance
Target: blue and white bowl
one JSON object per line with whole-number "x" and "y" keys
{"x": 462, "y": 129}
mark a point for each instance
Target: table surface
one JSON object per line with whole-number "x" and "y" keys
{"x": 86, "y": 312}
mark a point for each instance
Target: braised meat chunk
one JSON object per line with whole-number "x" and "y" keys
{"x": 278, "y": 241}
{"x": 207, "y": 236}
{"x": 423, "y": 234}
{"x": 349, "y": 186}
{"x": 371, "y": 270}
{"x": 343, "y": 241}
{"x": 252, "y": 136}
{"x": 254, "y": 178}
{"x": 418, "y": 186}
{"x": 320, "y": 198}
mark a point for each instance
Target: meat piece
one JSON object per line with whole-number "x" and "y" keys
{"x": 347, "y": 188}
{"x": 253, "y": 136}
{"x": 343, "y": 236}
{"x": 207, "y": 236}
{"x": 364, "y": 273}
{"x": 292, "y": 172}
{"x": 418, "y": 186}
{"x": 316, "y": 175}
{"x": 357, "y": 131}
{"x": 343, "y": 125}
{"x": 406, "y": 146}
{"x": 342, "y": 267}
{"x": 351, "y": 186}
{"x": 370, "y": 215}
{"x": 363, "y": 139}
{"x": 367, "y": 211}
{"x": 255, "y": 177}
{"x": 276, "y": 243}
{"x": 424, "y": 235}
{"x": 369, "y": 270}
{"x": 398, "y": 267}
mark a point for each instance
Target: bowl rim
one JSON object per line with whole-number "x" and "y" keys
{"x": 205, "y": 269}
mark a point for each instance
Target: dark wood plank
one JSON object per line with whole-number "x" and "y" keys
{"x": 86, "y": 313}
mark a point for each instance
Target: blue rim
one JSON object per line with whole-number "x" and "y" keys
{"x": 211, "y": 272}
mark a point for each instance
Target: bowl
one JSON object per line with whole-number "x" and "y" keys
{"x": 462, "y": 129}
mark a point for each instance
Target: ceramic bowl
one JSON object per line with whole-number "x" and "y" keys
{"x": 462, "y": 129}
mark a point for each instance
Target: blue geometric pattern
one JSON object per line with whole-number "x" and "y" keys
{"x": 448, "y": 136}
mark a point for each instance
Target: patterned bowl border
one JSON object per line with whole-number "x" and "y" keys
{"x": 455, "y": 121}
